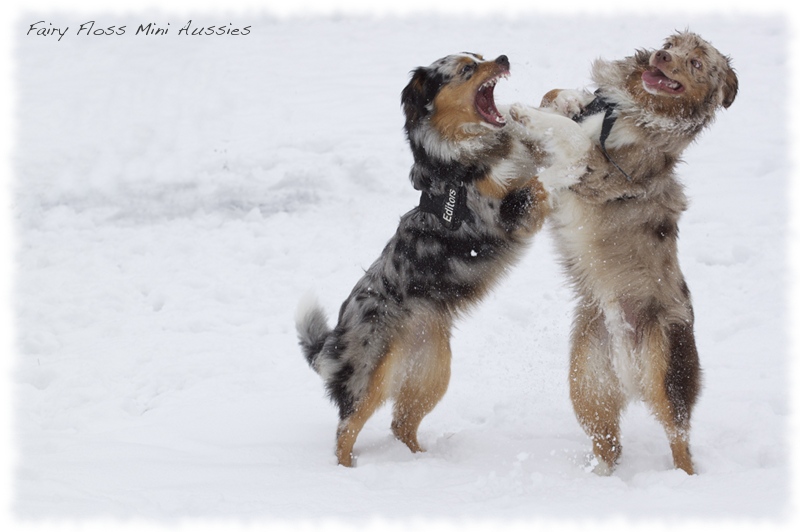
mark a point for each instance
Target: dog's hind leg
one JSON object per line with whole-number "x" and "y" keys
{"x": 595, "y": 390}
{"x": 425, "y": 383}
{"x": 673, "y": 384}
{"x": 349, "y": 427}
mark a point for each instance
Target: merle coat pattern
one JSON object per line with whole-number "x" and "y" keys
{"x": 392, "y": 339}
{"x": 617, "y": 230}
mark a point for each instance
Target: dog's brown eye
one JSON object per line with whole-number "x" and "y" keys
{"x": 697, "y": 64}
{"x": 667, "y": 46}
{"x": 467, "y": 69}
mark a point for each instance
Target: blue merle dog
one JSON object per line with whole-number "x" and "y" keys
{"x": 484, "y": 186}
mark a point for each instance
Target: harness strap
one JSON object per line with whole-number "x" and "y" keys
{"x": 598, "y": 105}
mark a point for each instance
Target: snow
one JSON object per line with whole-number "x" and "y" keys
{"x": 176, "y": 197}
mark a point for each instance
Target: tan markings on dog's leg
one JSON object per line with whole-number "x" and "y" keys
{"x": 540, "y": 208}
{"x": 670, "y": 412}
{"x": 540, "y": 198}
{"x": 681, "y": 456}
{"x": 594, "y": 387}
{"x": 490, "y": 188}
{"x": 425, "y": 385}
{"x": 376, "y": 394}
{"x": 549, "y": 98}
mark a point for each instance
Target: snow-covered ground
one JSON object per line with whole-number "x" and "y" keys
{"x": 175, "y": 196}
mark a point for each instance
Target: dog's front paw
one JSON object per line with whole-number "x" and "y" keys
{"x": 560, "y": 176}
{"x": 521, "y": 113}
{"x": 537, "y": 124}
{"x": 569, "y": 150}
{"x": 570, "y": 103}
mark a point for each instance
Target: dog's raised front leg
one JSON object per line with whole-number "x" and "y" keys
{"x": 566, "y": 145}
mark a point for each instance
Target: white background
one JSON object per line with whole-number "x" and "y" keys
{"x": 173, "y": 197}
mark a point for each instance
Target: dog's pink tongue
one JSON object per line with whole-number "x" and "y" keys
{"x": 657, "y": 80}
{"x": 653, "y": 77}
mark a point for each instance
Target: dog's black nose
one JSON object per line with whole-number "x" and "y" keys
{"x": 663, "y": 55}
{"x": 503, "y": 61}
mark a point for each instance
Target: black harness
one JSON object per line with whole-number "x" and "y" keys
{"x": 600, "y": 105}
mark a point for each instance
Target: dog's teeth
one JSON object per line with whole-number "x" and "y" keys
{"x": 669, "y": 83}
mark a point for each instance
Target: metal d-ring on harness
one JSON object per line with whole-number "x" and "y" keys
{"x": 600, "y": 104}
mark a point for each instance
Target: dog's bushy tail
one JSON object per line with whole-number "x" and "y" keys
{"x": 312, "y": 329}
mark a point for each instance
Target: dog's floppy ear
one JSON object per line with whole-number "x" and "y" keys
{"x": 729, "y": 88}
{"x": 418, "y": 95}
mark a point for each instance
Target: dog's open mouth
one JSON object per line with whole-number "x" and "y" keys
{"x": 654, "y": 79}
{"x": 484, "y": 102}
